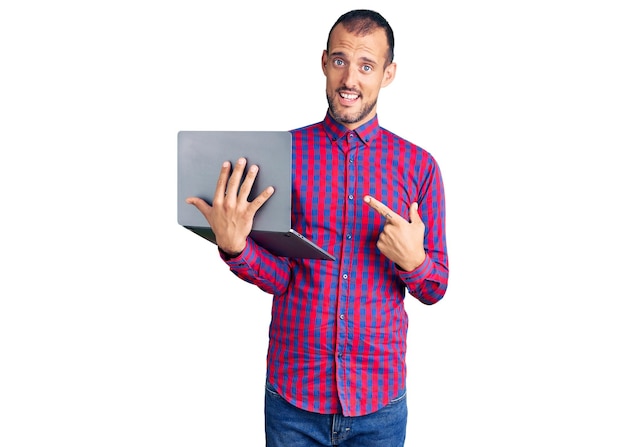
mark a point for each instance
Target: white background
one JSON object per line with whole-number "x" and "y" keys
{"x": 120, "y": 328}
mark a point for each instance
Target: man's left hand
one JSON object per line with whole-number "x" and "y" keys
{"x": 401, "y": 241}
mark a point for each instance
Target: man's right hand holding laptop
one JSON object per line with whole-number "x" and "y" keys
{"x": 231, "y": 214}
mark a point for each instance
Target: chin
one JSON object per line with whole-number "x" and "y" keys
{"x": 348, "y": 119}
{"x": 344, "y": 116}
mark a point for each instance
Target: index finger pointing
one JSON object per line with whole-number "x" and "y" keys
{"x": 380, "y": 207}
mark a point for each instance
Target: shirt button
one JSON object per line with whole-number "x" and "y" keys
{"x": 351, "y": 160}
{"x": 349, "y": 236}
{"x": 341, "y": 317}
{"x": 344, "y": 276}
{"x": 350, "y": 197}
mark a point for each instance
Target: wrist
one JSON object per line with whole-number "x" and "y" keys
{"x": 413, "y": 264}
{"x": 232, "y": 251}
{"x": 226, "y": 255}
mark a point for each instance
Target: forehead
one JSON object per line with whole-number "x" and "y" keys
{"x": 373, "y": 45}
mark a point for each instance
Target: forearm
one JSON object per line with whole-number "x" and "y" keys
{"x": 258, "y": 266}
{"x": 428, "y": 283}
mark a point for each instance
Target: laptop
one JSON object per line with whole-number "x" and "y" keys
{"x": 200, "y": 157}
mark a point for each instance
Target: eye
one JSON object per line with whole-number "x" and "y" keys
{"x": 367, "y": 68}
{"x": 338, "y": 62}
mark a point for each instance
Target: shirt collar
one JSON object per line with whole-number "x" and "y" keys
{"x": 366, "y": 132}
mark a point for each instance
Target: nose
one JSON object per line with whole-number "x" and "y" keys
{"x": 351, "y": 76}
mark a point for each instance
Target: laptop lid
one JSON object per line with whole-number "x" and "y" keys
{"x": 200, "y": 157}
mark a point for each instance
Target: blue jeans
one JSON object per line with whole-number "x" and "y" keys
{"x": 289, "y": 426}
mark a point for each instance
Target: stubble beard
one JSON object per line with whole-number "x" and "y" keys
{"x": 349, "y": 118}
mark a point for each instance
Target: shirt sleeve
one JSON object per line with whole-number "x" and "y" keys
{"x": 258, "y": 266}
{"x": 429, "y": 281}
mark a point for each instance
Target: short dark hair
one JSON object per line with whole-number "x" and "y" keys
{"x": 362, "y": 22}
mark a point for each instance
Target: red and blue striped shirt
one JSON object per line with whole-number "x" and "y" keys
{"x": 337, "y": 339}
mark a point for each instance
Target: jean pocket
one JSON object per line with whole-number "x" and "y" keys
{"x": 271, "y": 390}
{"x": 400, "y": 398}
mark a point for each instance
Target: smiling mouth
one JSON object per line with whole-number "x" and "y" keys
{"x": 348, "y": 96}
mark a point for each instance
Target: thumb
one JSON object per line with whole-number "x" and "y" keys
{"x": 202, "y": 206}
{"x": 414, "y": 214}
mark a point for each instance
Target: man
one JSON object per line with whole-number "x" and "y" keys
{"x": 336, "y": 370}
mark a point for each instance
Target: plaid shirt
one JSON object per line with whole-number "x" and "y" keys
{"x": 337, "y": 340}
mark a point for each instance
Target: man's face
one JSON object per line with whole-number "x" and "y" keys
{"x": 355, "y": 72}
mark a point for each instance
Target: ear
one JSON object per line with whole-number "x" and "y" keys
{"x": 389, "y": 75}
{"x": 324, "y": 61}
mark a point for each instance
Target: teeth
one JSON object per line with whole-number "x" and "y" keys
{"x": 347, "y": 96}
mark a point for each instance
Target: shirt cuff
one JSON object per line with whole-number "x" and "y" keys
{"x": 418, "y": 274}
{"x": 241, "y": 259}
